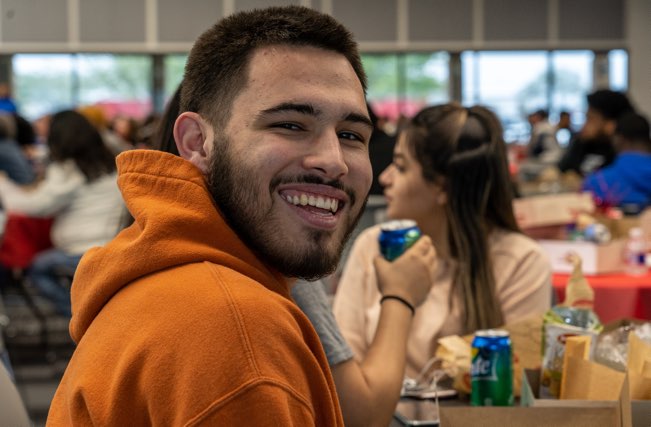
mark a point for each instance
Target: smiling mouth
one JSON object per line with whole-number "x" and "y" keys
{"x": 328, "y": 204}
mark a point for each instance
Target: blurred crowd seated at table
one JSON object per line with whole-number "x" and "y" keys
{"x": 610, "y": 157}
{"x": 58, "y": 193}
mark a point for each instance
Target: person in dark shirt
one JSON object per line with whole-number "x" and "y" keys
{"x": 593, "y": 148}
{"x": 627, "y": 181}
{"x": 380, "y": 150}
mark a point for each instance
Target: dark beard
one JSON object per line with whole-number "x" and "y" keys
{"x": 234, "y": 192}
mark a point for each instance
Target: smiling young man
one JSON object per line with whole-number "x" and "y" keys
{"x": 186, "y": 318}
{"x": 297, "y": 139}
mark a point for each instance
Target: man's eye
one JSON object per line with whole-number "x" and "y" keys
{"x": 288, "y": 126}
{"x": 351, "y": 136}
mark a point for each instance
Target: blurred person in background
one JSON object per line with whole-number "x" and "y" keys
{"x": 7, "y": 103}
{"x": 627, "y": 181}
{"x": 542, "y": 150}
{"x": 13, "y": 161}
{"x": 37, "y": 152}
{"x": 15, "y": 166}
{"x": 147, "y": 131}
{"x": 593, "y": 148}
{"x": 126, "y": 128}
{"x": 96, "y": 116}
{"x": 564, "y": 130}
{"x": 450, "y": 175}
{"x": 542, "y": 145}
{"x": 380, "y": 150}
{"x": 79, "y": 190}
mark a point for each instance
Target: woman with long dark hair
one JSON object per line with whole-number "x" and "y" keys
{"x": 79, "y": 191}
{"x": 450, "y": 175}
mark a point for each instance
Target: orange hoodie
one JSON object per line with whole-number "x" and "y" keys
{"x": 178, "y": 323}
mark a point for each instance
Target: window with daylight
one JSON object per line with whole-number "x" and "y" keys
{"x": 47, "y": 83}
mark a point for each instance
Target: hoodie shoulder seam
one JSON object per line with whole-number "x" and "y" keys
{"x": 249, "y": 387}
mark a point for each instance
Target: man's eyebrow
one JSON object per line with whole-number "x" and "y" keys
{"x": 359, "y": 118}
{"x": 288, "y": 107}
{"x": 310, "y": 110}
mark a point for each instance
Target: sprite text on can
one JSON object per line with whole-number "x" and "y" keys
{"x": 492, "y": 370}
{"x": 397, "y": 236}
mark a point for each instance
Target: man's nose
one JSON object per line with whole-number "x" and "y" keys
{"x": 327, "y": 156}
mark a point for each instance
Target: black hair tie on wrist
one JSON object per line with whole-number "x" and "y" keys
{"x": 402, "y": 300}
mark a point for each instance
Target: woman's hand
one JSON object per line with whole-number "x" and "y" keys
{"x": 410, "y": 276}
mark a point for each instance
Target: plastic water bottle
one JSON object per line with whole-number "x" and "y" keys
{"x": 635, "y": 253}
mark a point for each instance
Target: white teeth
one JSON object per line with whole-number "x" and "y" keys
{"x": 318, "y": 201}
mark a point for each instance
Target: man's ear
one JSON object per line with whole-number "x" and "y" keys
{"x": 194, "y": 139}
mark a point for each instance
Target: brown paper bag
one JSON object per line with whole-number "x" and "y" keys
{"x": 578, "y": 347}
{"x": 586, "y": 380}
{"x": 639, "y": 367}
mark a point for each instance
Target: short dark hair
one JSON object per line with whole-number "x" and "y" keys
{"x": 634, "y": 127}
{"x": 217, "y": 67}
{"x": 541, "y": 113}
{"x": 609, "y": 103}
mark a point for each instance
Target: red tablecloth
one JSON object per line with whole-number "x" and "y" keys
{"x": 616, "y": 295}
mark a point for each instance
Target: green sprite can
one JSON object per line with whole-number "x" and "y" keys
{"x": 492, "y": 370}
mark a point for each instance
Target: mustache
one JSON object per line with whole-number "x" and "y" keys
{"x": 312, "y": 179}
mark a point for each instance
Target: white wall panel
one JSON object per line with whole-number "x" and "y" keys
{"x": 103, "y": 21}
{"x": 34, "y": 20}
{"x": 184, "y": 21}
{"x": 440, "y": 20}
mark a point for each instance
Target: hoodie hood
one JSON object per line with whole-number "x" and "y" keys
{"x": 175, "y": 222}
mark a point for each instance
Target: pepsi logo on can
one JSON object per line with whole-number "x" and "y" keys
{"x": 397, "y": 236}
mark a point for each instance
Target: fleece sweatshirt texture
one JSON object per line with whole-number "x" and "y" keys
{"x": 178, "y": 323}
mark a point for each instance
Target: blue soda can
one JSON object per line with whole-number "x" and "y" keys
{"x": 492, "y": 370}
{"x": 397, "y": 236}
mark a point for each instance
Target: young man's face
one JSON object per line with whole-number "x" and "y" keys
{"x": 291, "y": 170}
